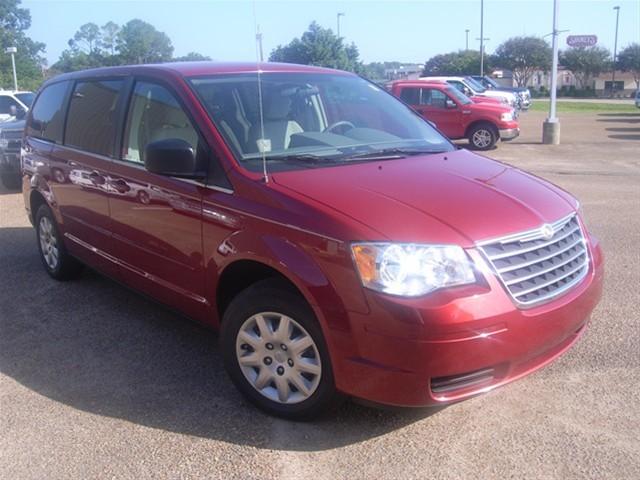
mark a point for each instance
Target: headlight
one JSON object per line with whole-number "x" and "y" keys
{"x": 409, "y": 269}
{"x": 507, "y": 117}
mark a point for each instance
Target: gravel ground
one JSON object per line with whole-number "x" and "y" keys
{"x": 97, "y": 382}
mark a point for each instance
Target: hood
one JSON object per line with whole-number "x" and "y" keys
{"x": 13, "y": 125}
{"x": 458, "y": 197}
{"x": 495, "y": 108}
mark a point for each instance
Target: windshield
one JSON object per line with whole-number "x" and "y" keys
{"x": 26, "y": 98}
{"x": 476, "y": 86}
{"x": 458, "y": 95}
{"x": 313, "y": 119}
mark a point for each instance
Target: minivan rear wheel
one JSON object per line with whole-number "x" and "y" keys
{"x": 483, "y": 136}
{"x": 275, "y": 353}
{"x": 57, "y": 262}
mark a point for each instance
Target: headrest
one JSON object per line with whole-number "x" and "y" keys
{"x": 277, "y": 107}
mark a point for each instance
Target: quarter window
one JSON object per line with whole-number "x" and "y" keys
{"x": 92, "y": 118}
{"x": 154, "y": 115}
{"x": 47, "y": 115}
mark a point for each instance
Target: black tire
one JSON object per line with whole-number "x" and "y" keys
{"x": 272, "y": 295}
{"x": 483, "y": 136}
{"x": 66, "y": 267}
{"x": 12, "y": 181}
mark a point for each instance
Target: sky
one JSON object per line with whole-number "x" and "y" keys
{"x": 407, "y": 31}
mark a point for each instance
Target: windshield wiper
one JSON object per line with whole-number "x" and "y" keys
{"x": 390, "y": 154}
{"x": 297, "y": 158}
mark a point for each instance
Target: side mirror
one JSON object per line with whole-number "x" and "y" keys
{"x": 172, "y": 157}
{"x": 466, "y": 91}
{"x": 17, "y": 112}
{"x": 450, "y": 104}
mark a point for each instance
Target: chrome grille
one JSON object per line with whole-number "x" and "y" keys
{"x": 535, "y": 267}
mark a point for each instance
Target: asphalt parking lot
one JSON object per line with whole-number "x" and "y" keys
{"x": 97, "y": 382}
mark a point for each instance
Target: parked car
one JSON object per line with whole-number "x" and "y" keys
{"x": 522, "y": 92}
{"x": 470, "y": 87}
{"x": 455, "y": 115}
{"x": 340, "y": 244}
{"x": 638, "y": 99}
{"x": 10, "y": 143}
{"x": 14, "y": 104}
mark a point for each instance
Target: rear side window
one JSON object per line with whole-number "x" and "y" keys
{"x": 47, "y": 115}
{"x": 410, "y": 95}
{"x": 92, "y": 118}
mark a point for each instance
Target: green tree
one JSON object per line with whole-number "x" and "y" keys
{"x": 586, "y": 62}
{"x": 87, "y": 39}
{"x": 523, "y": 56}
{"x": 629, "y": 61}
{"x": 140, "y": 42}
{"x": 14, "y": 21}
{"x": 109, "y": 37}
{"x": 462, "y": 62}
{"x": 319, "y": 46}
{"x": 192, "y": 57}
{"x": 85, "y": 50}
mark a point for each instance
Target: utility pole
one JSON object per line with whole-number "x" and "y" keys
{"x": 340, "y": 14}
{"x": 259, "y": 40}
{"x": 467, "y": 39}
{"x": 615, "y": 53}
{"x": 482, "y": 42}
{"x": 13, "y": 51}
{"x": 551, "y": 126}
{"x": 481, "y": 38}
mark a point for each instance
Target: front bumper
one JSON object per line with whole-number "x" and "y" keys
{"x": 456, "y": 344}
{"x": 509, "y": 133}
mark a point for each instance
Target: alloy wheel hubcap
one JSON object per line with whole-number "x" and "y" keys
{"x": 278, "y": 357}
{"x": 48, "y": 243}
{"x": 482, "y": 138}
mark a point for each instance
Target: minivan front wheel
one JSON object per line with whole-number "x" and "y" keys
{"x": 483, "y": 136}
{"x": 57, "y": 262}
{"x": 274, "y": 352}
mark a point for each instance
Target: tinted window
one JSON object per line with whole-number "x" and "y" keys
{"x": 410, "y": 95}
{"x": 5, "y": 104}
{"x": 434, "y": 98}
{"x": 47, "y": 115}
{"x": 92, "y": 118}
{"x": 26, "y": 98}
{"x": 155, "y": 114}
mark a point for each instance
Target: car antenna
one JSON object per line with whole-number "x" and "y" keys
{"x": 261, "y": 143}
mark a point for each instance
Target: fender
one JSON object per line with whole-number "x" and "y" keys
{"x": 293, "y": 263}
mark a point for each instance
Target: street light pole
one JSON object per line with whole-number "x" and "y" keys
{"x": 615, "y": 53}
{"x": 340, "y": 14}
{"x": 259, "y": 40}
{"x": 551, "y": 126}
{"x": 12, "y": 51}
{"x": 481, "y": 38}
{"x": 467, "y": 39}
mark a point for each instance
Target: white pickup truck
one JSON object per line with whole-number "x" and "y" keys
{"x": 470, "y": 87}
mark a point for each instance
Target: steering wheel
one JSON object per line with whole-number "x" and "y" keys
{"x": 341, "y": 123}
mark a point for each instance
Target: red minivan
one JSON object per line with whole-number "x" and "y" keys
{"x": 483, "y": 123}
{"x": 340, "y": 244}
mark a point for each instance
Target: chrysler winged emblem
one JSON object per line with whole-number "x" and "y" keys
{"x": 547, "y": 231}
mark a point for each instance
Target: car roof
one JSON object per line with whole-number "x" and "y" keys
{"x": 189, "y": 69}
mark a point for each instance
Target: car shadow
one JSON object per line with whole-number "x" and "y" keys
{"x": 619, "y": 120}
{"x": 626, "y": 137}
{"x": 95, "y": 346}
{"x": 619, "y": 114}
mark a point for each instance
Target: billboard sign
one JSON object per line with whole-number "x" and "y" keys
{"x": 582, "y": 40}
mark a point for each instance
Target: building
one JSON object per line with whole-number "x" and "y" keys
{"x": 411, "y": 71}
{"x": 625, "y": 85}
